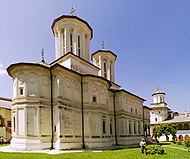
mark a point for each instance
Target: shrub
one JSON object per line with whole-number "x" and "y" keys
{"x": 155, "y": 149}
{"x": 179, "y": 143}
{"x": 174, "y": 141}
{"x": 187, "y": 144}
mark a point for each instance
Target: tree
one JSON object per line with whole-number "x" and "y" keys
{"x": 166, "y": 129}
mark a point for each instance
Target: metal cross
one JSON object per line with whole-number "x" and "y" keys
{"x": 72, "y": 11}
{"x": 103, "y": 45}
{"x": 43, "y": 55}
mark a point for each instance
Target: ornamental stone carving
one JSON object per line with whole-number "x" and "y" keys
{"x": 68, "y": 83}
{"x": 32, "y": 80}
{"x": 45, "y": 81}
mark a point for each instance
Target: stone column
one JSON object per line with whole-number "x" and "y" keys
{"x": 75, "y": 41}
{"x": 60, "y": 44}
{"x": 56, "y": 45}
{"x": 58, "y": 128}
{"x": 108, "y": 69}
{"x": 25, "y": 121}
{"x": 38, "y": 121}
{"x": 113, "y": 72}
{"x": 86, "y": 47}
{"x": 87, "y": 55}
{"x": 83, "y": 51}
{"x": 16, "y": 121}
{"x": 67, "y": 40}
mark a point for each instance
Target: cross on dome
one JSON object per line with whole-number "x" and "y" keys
{"x": 72, "y": 11}
{"x": 43, "y": 55}
{"x": 103, "y": 45}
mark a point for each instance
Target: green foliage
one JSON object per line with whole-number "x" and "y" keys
{"x": 166, "y": 129}
{"x": 187, "y": 144}
{"x": 179, "y": 143}
{"x": 170, "y": 152}
{"x": 155, "y": 149}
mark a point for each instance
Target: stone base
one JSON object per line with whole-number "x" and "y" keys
{"x": 22, "y": 144}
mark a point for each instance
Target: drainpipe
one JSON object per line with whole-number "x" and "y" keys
{"x": 116, "y": 143}
{"x": 82, "y": 107}
{"x": 52, "y": 128}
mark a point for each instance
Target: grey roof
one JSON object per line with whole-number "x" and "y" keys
{"x": 5, "y": 103}
{"x": 180, "y": 132}
{"x": 180, "y": 118}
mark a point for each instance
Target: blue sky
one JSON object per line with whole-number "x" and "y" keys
{"x": 150, "y": 37}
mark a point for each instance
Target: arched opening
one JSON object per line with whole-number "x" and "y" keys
{"x": 186, "y": 126}
{"x": 187, "y": 138}
{"x": 1, "y": 121}
{"x": 174, "y": 138}
{"x": 180, "y": 127}
{"x": 180, "y": 138}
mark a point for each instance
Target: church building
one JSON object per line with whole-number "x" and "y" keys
{"x": 73, "y": 103}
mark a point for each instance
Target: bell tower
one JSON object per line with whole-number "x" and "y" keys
{"x": 72, "y": 34}
{"x": 159, "y": 111}
{"x": 105, "y": 60}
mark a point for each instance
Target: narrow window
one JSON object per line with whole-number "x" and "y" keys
{"x": 1, "y": 122}
{"x": 111, "y": 127}
{"x": 21, "y": 91}
{"x": 136, "y": 111}
{"x": 104, "y": 126}
{"x": 94, "y": 99}
{"x": 105, "y": 72}
{"x": 8, "y": 123}
{"x": 156, "y": 119}
{"x": 139, "y": 128}
{"x": 79, "y": 45}
{"x": 129, "y": 128}
{"x": 135, "y": 128}
{"x": 131, "y": 110}
{"x": 63, "y": 42}
{"x": 14, "y": 124}
{"x": 71, "y": 42}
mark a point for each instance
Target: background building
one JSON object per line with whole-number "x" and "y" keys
{"x": 161, "y": 114}
{"x": 5, "y": 119}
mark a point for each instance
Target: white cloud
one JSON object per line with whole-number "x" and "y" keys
{"x": 2, "y": 71}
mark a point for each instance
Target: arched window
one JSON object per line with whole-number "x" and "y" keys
{"x": 187, "y": 138}
{"x": 145, "y": 130}
{"x": 105, "y": 70}
{"x": 186, "y": 126}
{"x": 71, "y": 40}
{"x": 180, "y": 127}
{"x": 1, "y": 121}
{"x": 104, "y": 126}
{"x": 139, "y": 128}
{"x": 129, "y": 127}
{"x": 63, "y": 31}
{"x": 79, "y": 45}
{"x": 111, "y": 127}
{"x": 135, "y": 131}
{"x": 180, "y": 138}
